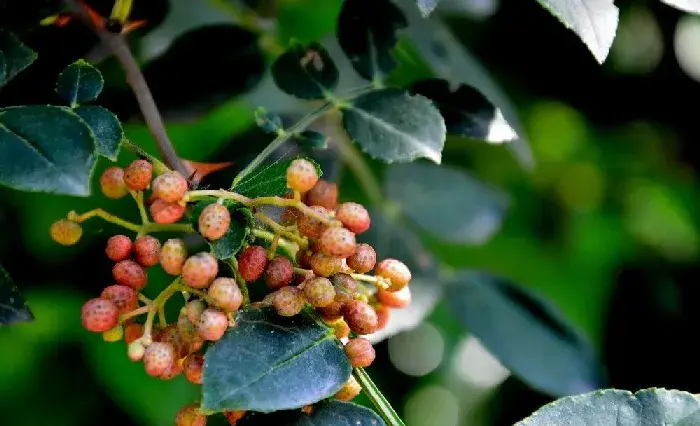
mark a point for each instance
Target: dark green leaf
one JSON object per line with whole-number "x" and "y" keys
{"x": 269, "y": 363}
{"x": 447, "y": 202}
{"x": 268, "y": 121}
{"x": 269, "y": 180}
{"x": 612, "y": 407}
{"x": 309, "y": 139}
{"x": 466, "y": 111}
{"x": 12, "y": 307}
{"x": 80, "y": 82}
{"x": 3, "y": 67}
{"x": 594, "y": 21}
{"x": 367, "y": 34}
{"x": 426, "y": 6}
{"x": 46, "y": 149}
{"x": 528, "y": 334}
{"x": 393, "y": 126}
{"x": 307, "y": 72}
{"x": 692, "y": 6}
{"x": 232, "y": 241}
{"x": 326, "y": 413}
{"x": 17, "y": 56}
{"x": 106, "y": 127}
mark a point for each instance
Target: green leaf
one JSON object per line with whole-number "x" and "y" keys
{"x": 447, "y": 202}
{"x": 367, "y": 34}
{"x": 311, "y": 140}
{"x": 13, "y": 309}
{"x": 307, "y": 72}
{"x": 16, "y": 55}
{"x": 426, "y": 7}
{"x": 106, "y": 127}
{"x": 393, "y": 126}
{"x": 466, "y": 111}
{"x": 594, "y": 21}
{"x": 528, "y": 334}
{"x": 45, "y": 149}
{"x": 269, "y": 363}
{"x": 80, "y": 82}
{"x": 692, "y": 6}
{"x": 269, "y": 180}
{"x": 232, "y": 241}
{"x": 326, "y": 413}
{"x": 269, "y": 122}
{"x": 612, "y": 407}
{"x": 3, "y": 67}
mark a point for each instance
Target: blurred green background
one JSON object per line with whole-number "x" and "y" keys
{"x": 605, "y": 224}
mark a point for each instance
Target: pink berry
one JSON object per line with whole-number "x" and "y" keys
{"x": 361, "y": 317}
{"x": 319, "y": 292}
{"x": 99, "y": 315}
{"x": 360, "y": 352}
{"x": 200, "y": 270}
{"x": 118, "y": 248}
{"x": 125, "y": 298}
{"x": 383, "y": 315}
{"x": 193, "y": 310}
{"x": 212, "y": 324}
{"x": 301, "y": 175}
{"x": 130, "y": 273}
{"x": 170, "y": 187}
{"x": 158, "y": 358}
{"x": 138, "y": 174}
{"x": 394, "y": 299}
{"x": 165, "y": 213}
{"x": 172, "y": 256}
{"x": 214, "y": 221}
{"x": 112, "y": 183}
{"x": 252, "y": 262}
{"x": 288, "y": 301}
{"x": 323, "y": 265}
{"x": 337, "y": 242}
{"x": 324, "y": 194}
{"x": 147, "y": 250}
{"x": 279, "y": 272}
{"x": 395, "y": 271}
{"x": 364, "y": 259}
{"x": 311, "y": 226}
{"x": 354, "y": 217}
{"x": 225, "y": 294}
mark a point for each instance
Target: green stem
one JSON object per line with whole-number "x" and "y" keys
{"x": 302, "y": 124}
{"x": 168, "y": 227}
{"x": 233, "y": 263}
{"x": 377, "y": 398}
{"x": 288, "y": 246}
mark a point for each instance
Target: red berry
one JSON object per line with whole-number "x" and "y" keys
{"x": 193, "y": 310}
{"x": 319, "y": 292}
{"x": 158, "y": 359}
{"x": 383, "y": 315}
{"x": 360, "y": 352}
{"x": 394, "y": 299}
{"x": 349, "y": 391}
{"x": 193, "y": 365}
{"x": 165, "y": 213}
{"x": 130, "y": 273}
{"x": 118, "y": 248}
{"x": 311, "y": 226}
{"x": 136, "y": 351}
{"x": 147, "y": 250}
{"x": 361, "y": 318}
{"x": 234, "y": 416}
{"x": 190, "y": 416}
{"x": 301, "y": 175}
{"x": 171, "y": 335}
{"x": 252, "y": 262}
{"x": 225, "y": 294}
{"x": 169, "y": 187}
{"x": 325, "y": 266}
{"x": 363, "y": 260}
{"x": 395, "y": 271}
{"x": 112, "y": 183}
{"x": 214, "y": 221}
{"x": 137, "y": 175}
{"x": 324, "y": 194}
{"x": 172, "y": 256}
{"x": 288, "y": 301}
{"x": 65, "y": 232}
{"x": 337, "y": 242}
{"x": 126, "y": 298}
{"x": 354, "y": 217}
{"x": 279, "y": 273}
{"x": 99, "y": 315}
{"x": 133, "y": 332}
{"x": 172, "y": 372}
{"x": 212, "y": 324}
{"x": 200, "y": 270}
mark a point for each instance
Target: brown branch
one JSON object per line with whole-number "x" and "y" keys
{"x": 117, "y": 45}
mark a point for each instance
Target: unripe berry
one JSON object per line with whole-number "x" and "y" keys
{"x": 214, "y": 221}
{"x": 311, "y": 226}
{"x": 323, "y": 265}
{"x": 395, "y": 271}
{"x": 136, "y": 351}
{"x": 349, "y": 391}
{"x": 337, "y": 242}
{"x": 169, "y": 187}
{"x": 354, "y": 217}
{"x": 99, "y": 315}
{"x": 383, "y": 315}
{"x": 361, "y": 318}
{"x": 124, "y": 297}
{"x": 187, "y": 330}
{"x": 324, "y": 194}
{"x": 301, "y": 175}
{"x": 319, "y": 292}
{"x": 147, "y": 250}
{"x": 133, "y": 332}
{"x": 118, "y": 248}
{"x": 360, "y": 352}
{"x": 112, "y": 183}
{"x": 113, "y": 335}
{"x": 172, "y": 256}
{"x": 279, "y": 272}
{"x": 225, "y": 294}
{"x": 200, "y": 270}
{"x": 212, "y": 325}
{"x": 394, "y": 299}
{"x": 158, "y": 358}
{"x": 138, "y": 174}
{"x": 130, "y": 273}
{"x": 341, "y": 328}
{"x": 363, "y": 260}
{"x": 193, "y": 310}
{"x": 288, "y": 301}
{"x": 345, "y": 287}
{"x": 193, "y": 365}
{"x": 234, "y": 416}
{"x": 66, "y": 232}
{"x": 190, "y": 416}
{"x": 252, "y": 262}
{"x": 165, "y": 213}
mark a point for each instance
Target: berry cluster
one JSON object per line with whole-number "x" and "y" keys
{"x": 329, "y": 272}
